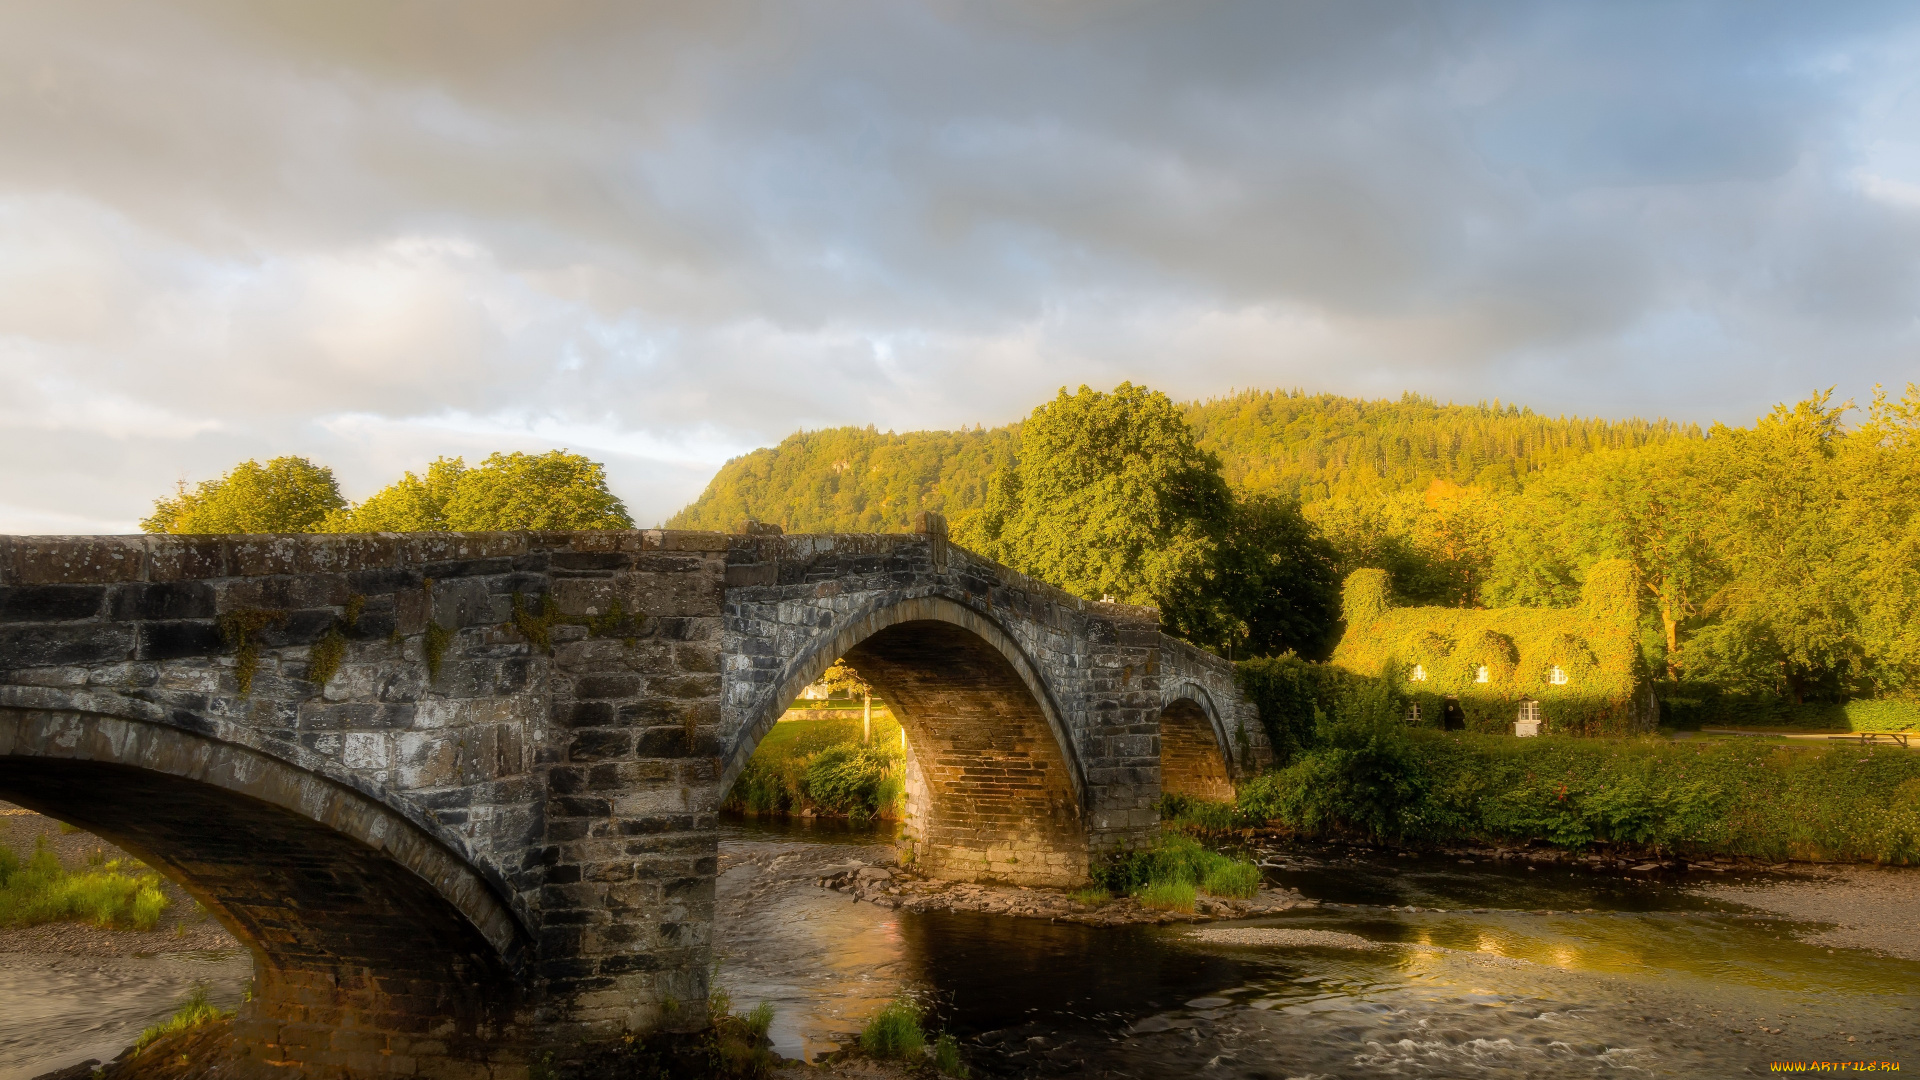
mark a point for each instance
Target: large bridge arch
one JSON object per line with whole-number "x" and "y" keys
{"x": 995, "y": 788}
{"x": 369, "y": 936}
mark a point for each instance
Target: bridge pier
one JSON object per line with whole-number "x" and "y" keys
{"x": 459, "y": 793}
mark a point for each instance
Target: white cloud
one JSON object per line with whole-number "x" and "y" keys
{"x": 665, "y": 236}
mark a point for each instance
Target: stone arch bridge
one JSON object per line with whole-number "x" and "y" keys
{"x": 458, "y": 793}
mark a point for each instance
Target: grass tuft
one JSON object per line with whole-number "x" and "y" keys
{"x": 1167, "y": 895}
{"x": 895, "y": 1032}
{"x": 946, "y": 1057}
{"x": 195, "y": 1011}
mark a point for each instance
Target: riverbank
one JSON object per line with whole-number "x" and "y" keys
{"x": 183, "y": 925}
{"x": 1695, "y": 799}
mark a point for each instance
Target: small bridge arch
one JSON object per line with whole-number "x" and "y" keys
{"x": 1196, "y": 748}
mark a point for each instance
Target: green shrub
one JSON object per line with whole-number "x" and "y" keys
{"x": 946, "y": 1057}
{"x": 41, "y": 891}
{"x": 1192, "y": 814}
{"x": 852, "y": 779}
{"x": 895, "y": 1032}
{"x": 1177, "y": 860}
{"x": 821, "y": 765}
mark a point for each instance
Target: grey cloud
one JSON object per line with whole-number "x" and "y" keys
{"x": 681, "y": 231}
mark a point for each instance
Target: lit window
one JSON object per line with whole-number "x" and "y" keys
{"x": 1482, "y": 675}
{"x": 1530, "y": 712}
{"x": 1558, "y": 678}
{"x": 1418, "y": 674}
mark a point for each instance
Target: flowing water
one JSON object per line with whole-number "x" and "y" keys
{"x": 1624, "y": 978}
{"x": 60, "y": 1010}
{"x": 1654, "y": 980}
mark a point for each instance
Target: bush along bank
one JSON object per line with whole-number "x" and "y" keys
{"x": 1369, "y": 775}
{"x": 820, "y": 768}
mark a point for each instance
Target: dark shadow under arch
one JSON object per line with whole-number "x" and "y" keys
{"x": 365, "y": 932}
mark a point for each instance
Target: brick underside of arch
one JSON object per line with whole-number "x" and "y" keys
{"x": 360, "y": 961}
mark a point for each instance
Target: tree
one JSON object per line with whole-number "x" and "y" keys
{"x": 506, "y": 492}
{"x": 1652, "y": 506}
{"x": 842, "y": 679}
{"x": 1277, "y": 584}
{"x": 409, "y": 504}
{"x": 1880, "y": 466}
{"x": 1788, "y": 601}
{"x": 286, "y": 495}
{"x": 1110, "y": 497}
{"x": 554, "y": 490}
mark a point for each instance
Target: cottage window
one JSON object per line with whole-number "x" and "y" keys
{"x": 1482, "y": 674}
{"x": 1530, "y": 712}
{"x": 1418, "y": 674}
{"x": 1413, "y": 712}
{"x": 1559, "y": 677}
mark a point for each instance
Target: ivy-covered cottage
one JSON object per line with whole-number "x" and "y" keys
{"x": 1576, "y": 670}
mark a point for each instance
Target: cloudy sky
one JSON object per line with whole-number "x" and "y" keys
{"x": 664, "y": 235}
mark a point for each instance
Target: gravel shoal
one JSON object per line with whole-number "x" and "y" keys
{"x": 1268, "y": 935}
{"x": 1870, "y": 907}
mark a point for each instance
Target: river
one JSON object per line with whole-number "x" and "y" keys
{"x": 1626, "y": 977}
{"x": 1630, "y": 976}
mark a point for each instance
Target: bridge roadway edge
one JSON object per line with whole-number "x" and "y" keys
{"x": 571, "y": 756}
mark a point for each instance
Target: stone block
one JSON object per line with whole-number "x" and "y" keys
{"x": 72, "y": 560}
{"x": 51, "y": 603}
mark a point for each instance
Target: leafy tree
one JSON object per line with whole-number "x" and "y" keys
{"x": 1276, "y": 585}
{"x": 506, "y": 492}
{"x": 286, "y": 495}
{"x": 1109, "y": 497}
{"x": 1788, "y": 600}
{"x": 841, "y": 678}
{"x": 1652, "y": 506}
{"x": 1881, "y": 464}
{"x": 409, "y": 504}
{"x": 554, "y": 490}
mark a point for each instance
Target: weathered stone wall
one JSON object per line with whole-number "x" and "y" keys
{"x": 492, "y": 825}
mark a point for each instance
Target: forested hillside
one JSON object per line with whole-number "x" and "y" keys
{"x": 1317, "y": 446}
{"x": 853, "y": 480}
{"x": 1269, "y": 442}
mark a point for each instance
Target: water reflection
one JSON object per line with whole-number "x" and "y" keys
{"x": 1653, "y": 980}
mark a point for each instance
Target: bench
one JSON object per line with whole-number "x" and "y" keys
{"x": 1866, "y": 737}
